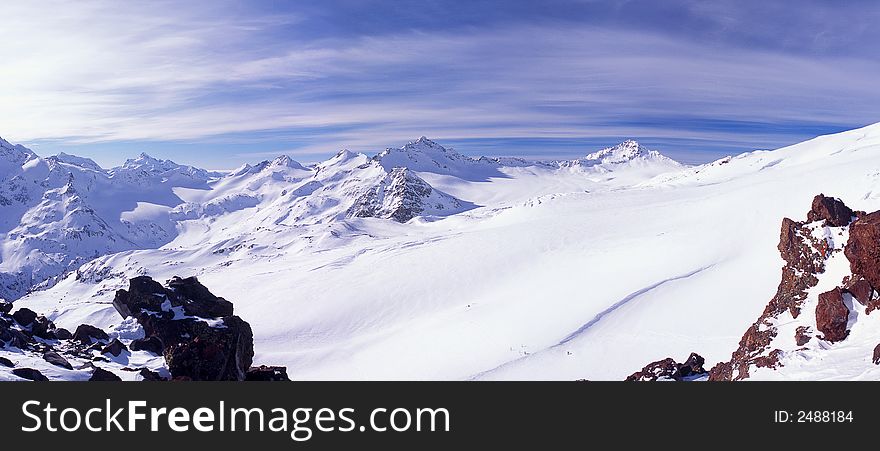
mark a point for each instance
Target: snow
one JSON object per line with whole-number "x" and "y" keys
{"x": 561, "y": 270}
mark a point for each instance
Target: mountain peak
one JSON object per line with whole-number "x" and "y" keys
{"x": 627, "y": 150}
{"x": 286, "y": 162}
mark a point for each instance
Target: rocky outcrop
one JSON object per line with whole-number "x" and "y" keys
{"x": 195, "y": 332}
{"x": 832, "y": 315}
{"x": 402, "y": 195}
{"x": 863, "y": 248}
{"x": 832, "y": 211}
{"x": 669, "y": 369}
{"x": 201, "y": 339}
{"x": 805, "y": 247}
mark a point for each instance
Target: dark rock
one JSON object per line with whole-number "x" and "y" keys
{"x": 831, "y": 210}
{"x": 87, "y": 334}
{"x": 145, "y": 294}
{"x": 876, "y": 357}
{"x": 29, "y": 374}
{"x": 198, "y": 301}
{"x": 191, "y": 346}
{"x": 212, "y": 353}
{"x": 150, "y": 344}
{"x": 56, "y": 359}
{"x": 43, "y": 328}
{"x": 693, "y": 366}
{"x": 15, "y": 338}
{"x": 181, "y": 379}
{"x": 267, "y": 373}
{"x": 863, "y": 247}
{"x": 24, "y": 316}
{"x": 802, "y": 335}
{"x": 832, "y": 315}
{"x": 5, "y": 307}
{"x": 670, "y": 369}
{"x": 102, "y": 375}
{"x": 115, "y": 348}
{"x": 6, "y": 362}
{"x": 150, "y": 375}
{"x": 63, "y": 334}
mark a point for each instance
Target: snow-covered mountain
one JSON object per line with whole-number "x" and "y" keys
{"x": 552, "y": 270}
{"x": 61, "y": 211}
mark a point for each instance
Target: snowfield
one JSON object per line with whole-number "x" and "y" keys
{"x": 454, "y": 268}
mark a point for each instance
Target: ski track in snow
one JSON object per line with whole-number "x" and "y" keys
{"x": 568, "y": 338}
{"x": 623, "y": 302}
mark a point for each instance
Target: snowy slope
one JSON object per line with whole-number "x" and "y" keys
{"x": 61, "y": 211}
{"x": 586, "y": 269}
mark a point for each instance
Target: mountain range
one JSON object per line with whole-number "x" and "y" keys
{"x": 422, "y": 263}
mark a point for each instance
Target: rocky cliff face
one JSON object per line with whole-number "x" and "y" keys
{"x": 808, "y": 249}
{"x": 401, "y": 196}
{"x": 830, "y": 278}
{"x": 200, "y": 337}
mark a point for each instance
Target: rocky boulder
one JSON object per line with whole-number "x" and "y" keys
{"x": 802, "y": 335}
{"x": 102, "y": 375}
{"x": 832, "y": 315}
{"x": 876, "y": 357}
{"x": 199, "y": 336}
{"x": 87, "y": 334}
{"x": 56, "y": 359}
{"x": 831, "y": 210}
{"x": 29, "y": 374}
{"x": 24, "y": 316}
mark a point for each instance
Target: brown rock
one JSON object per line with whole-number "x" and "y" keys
{"x": 876, "y": 358}
{"x": 831, "y": 210}
{"x": 863, "y": 248}
{"x": 802, "y": 335}
{"x": 861, "y": 290}
{"x": 832, "y": 315}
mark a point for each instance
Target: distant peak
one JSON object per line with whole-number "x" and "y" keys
{"x": 627, "y": 150}
{"x": 285, "y": 161}
{"x": 422, "y": 142}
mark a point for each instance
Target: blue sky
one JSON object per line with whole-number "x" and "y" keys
{"x": 225, "y": 82}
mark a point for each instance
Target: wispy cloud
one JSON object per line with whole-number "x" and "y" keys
{"x": 100, "y": 71}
